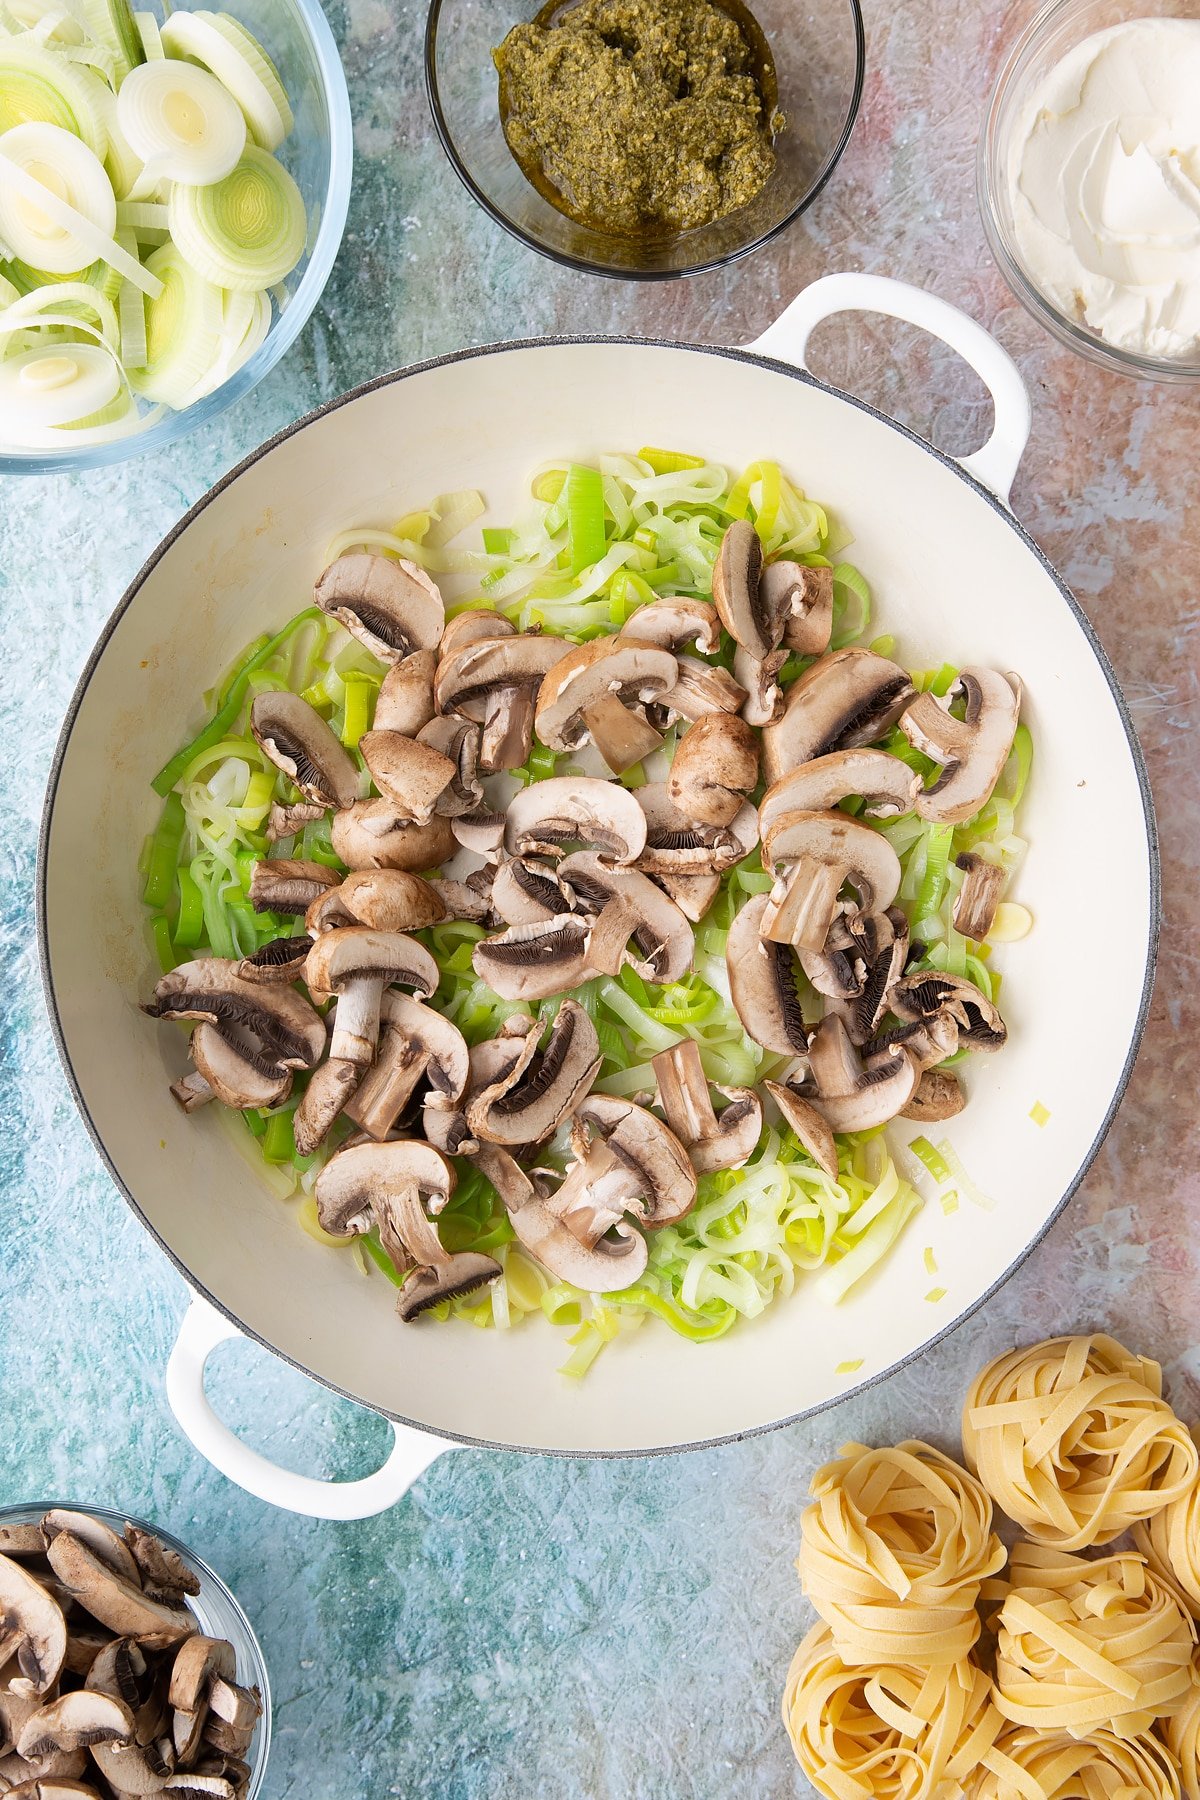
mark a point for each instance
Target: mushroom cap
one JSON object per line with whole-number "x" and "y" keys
{"x": 371, "y": 835}
{"x": 938, "y": 1095}
{"x": 525, "y": 891}
{"x": 927, "y": 993}
{"x": 535, "y": 962}
{"x": 238, "y": 1080}
{"x": 762, "y": 984}
{"x": 384, "y": 899}
{"x": 297, "y": 740}
{"x": 287, "y": 886}
{"x": 626, "y": 666}
{"x": 888, "y": 786}
{"x": 527, "y": 1105}
{"x": 973, "y": 750}
{"x": 28, "y": 1608}
{"x": 405, "y": 698}
{"x": 410, "y": 774}
{"x": 852, "y": 1097}
{"x": 196, "y": 1662}
{"x": 478, "y": 622}
{"x": 714, "y": 769}
{"x": 677, "y": 845}
{"x": 356, "y": 1176}
{"x": 641, "y": 1141}
{"x": 676, "y": 621}
{"x": 280, "y": 959}
{"x": 809, "y": 1125}
{"x": 392, "y": 607}
{"x": 462, "y": 900}
{"x": 472, "y": 672}
{"x": 75, "y": 1721}
{"x": 482, "y": 832}
{"x": 347, "y": 953}
{"x": 289, "y": 1029}
{"x": 547, "y": 815}
{"x": 842, "y": 701}
{"x": 117, "y": 1603}
{"x": 660, "y": 931}
{"x": 738, "y": 592}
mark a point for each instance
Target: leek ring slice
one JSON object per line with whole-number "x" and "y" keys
{"x": 21, "y": 192}
{"x": 148, "y": 31}
{"x": 197, "y": 37}
{"x": 57, "y": 383}
{"x": 183, "y": 330}
{"x": 61, "y": 166}
{"x": 38, "y": 87}
{"x": 246, "y": 232}
{"x": 182, "y": 122}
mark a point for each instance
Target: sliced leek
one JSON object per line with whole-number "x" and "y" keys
{"x": 98, "y": 275}
{"x": 69, "y": 301}
{"x": 56, "y": 384}
{"x": 8, "y": 293}
{"x": 183, "y": 330}
{"x": 256, "y": 57}
{"x": 61, "y": 168}
{"x": 131, "y": 317}
{"x": 38, "y": 87}
{"x": 183, "y": 122}
{"x": 148, "y": 31}
{"x": 18, "y": 185}
{"x": 110, "y": 23}
{"x": 201, "y": 37}
{"x": 245, "y": 232}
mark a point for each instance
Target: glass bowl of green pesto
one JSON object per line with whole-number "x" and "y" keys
{"x": 644, "y": 139}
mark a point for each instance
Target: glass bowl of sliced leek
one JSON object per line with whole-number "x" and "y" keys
{"x": 173, "y": 191}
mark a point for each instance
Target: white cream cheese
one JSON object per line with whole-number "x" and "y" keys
{"x": 1104, "y": 182}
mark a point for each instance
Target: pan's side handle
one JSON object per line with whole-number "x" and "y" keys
{"x": 203, "y": 1328}
{"x": 995, "y": 464}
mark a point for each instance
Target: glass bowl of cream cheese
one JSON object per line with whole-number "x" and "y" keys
{"x": 1089, "y": 180}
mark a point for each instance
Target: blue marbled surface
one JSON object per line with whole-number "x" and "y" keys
{"x": 575, "y": 1629}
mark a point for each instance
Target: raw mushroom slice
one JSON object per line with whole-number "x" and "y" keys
{"x": 117, "y": 1603}
{"x": 928, "y": 1041}
{"x": 762, "y": 984}
{"x": 972, "y": 750}
{"x": 738, "y": 592}
{"x": 711, "y": 1141}
{"x": 759, "y": 681}
{"x": 84, "y": 1644}
{"x": 164, "y": 1574}
{"x": 288, "y": 1029}
{"x": 495, "y": 682}
{"x": 613, "y": 1261}
{"x": 75, "y": 1721}
{"x": 674, "y": 622}
{"x": 371, "y": 835}
{"x": 882, "y": 953}
{"x": 289, "y": 887}
{"x": 410, "y": 774}
{"x": 196, "y": 1663}
{"x": 929, "y": 993}
{"x": 14, "y": 1710}
{"x": 978, "y": 897}
{"x": 937, "y": 1096}
{"x": 405, "y": 698}
{"x": 129, "y": 1674}
{"x": 524, "y": 892}
{"x": 591, "y": 693}
{"x": 804, "y": 596}
{"x": 135, "y": 1768}
{"x": 481, "y": 832}
{"x": 297, "y": 740}
{"x": 52, "y": 1787}
{"x": 548, "y": 815}
{"x": 808, "y": 1124}
{"x": 328, "y": 1090}
{"x": 356, "y": 964}
{"x": 852, "y": 1096}
{"x": 235, "y": 1076}
{"x": 416, "y": 1044}
{"x": 660, "y": 930}
{"x": 887, "y": 786}
{"x": 100, "y": 1539}
{"x": 677, "y": 845}
{"x": 535, "y": 962}
{"x": 462, "y": 901}
{"x": 280, "y": 959}
{"x": 459, "y": 741}
{"x": 626, "y": 1161}
{"x": 692, "y": 894}
{"x": 287, "y": 821}
{"x": 391, "y": 607}
{"x": 844, "y": 700}
{"x": 699, "y": 688}
{"x": 191, "y": 1092}
{"x": 812, "y": 856}
{"x": 528, "y": 1105}
{"x": 22, "y": 1540}
{"x": 384, "y": 899}
{"x": 32, "y": 1629}
{"x": 472, "y": 626}
{"x": 714, "y": 770}
{"x": 48, "y": 1775}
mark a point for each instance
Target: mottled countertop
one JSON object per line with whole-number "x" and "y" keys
{"x": 518, "y": 1627}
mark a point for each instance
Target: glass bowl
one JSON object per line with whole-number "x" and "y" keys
{"x": 319, "y": 154}
{"x": 819, "y": 55}
{"x": 1055, "y": 30}
{"x": 216, "y": 1611}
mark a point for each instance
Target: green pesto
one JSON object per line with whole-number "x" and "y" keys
{"x": 641, "y": 117}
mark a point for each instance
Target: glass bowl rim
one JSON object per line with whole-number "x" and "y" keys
{"x": 24, "y": 1510}
{"x": 585, "y": 265}
{"x": 334, "y": 202}
{"x": 987, "y": 180}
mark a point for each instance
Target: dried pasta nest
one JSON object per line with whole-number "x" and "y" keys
{"x": 1170, "y": 1542}
{"x": 1025, "y": 1764}
{"x": 1182, "y": 1735}
{"x": 1073, "y": 1440}
{"x": 1081, "y": 1644}
{"x": 888, "y": 1731}
{"x": 894, "y": 1551}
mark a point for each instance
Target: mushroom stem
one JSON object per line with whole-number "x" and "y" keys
{"x": 192, "y": 1092}
{"x": 388, "y": 1085}
{"x": 683, "y": 1092}
{"x": 701, "y": 688}
{"x": 356, "y": 1020}
{"x": 507, "y": 728}
{"x": 621, "y": 737}
{"x": 979, "y": 896}
{"x": 801, "y": 911}
{"x": 610, "y": 935}
{"x": 327, "y": 1092}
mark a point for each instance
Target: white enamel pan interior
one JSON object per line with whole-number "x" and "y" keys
{"x": 953, "y": 576}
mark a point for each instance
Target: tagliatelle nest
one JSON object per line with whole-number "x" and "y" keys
{"x": 1181, "y": 1733}
{"x": 887, "y": 1731}
{"x": 1170, "y": 1542}
{"x": 1073, "y": 1440}
{"x": 893, "y": 1553}
{"x": 1081, "y": 1644}
{"x": 1025, "y": 1764}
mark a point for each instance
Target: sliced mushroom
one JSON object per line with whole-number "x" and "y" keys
{"x": 48, "y": 1775}
{"x": 51, "y": 1787}
{"x": 416, "y": 1044}
{"x": 929, "y": 992}
{"x": 535, "y": 962}
{"x": 192, "y": 1785}
{"x": 762, "y": 984}
{"x": 658, "y": 928}
{"x": 880, "y": 955}
{"x": 371, "y": 835}
{"x": 391, "y": 607}
{"x": 844, "y": 700}
{"x": 32, "y": 1629}
{"x": 938, "y": 1095}
{"x": 384, "y": 899}
{"x": 191, "y": 1092}
{"x": 280, "y": 959}
{"x": 100, "y": 1539}
{"x": 626, "y": 1161}
{"x": 978, "y": 897}
{"x": 495, "y": 682}
{"x": 287, "y": 821}
{"x": 593, "y": 692}
{"x": 851, "y": 1096}
{"x": 281, "y": 1021}
{"x": 927, "y": 1041}
{"x": 972, "y": 750}
{"x": 297, "y": 740}
{"x": 123, "y": 1670}
{"x": 164, "y": 1574}
{"x": 524, "y": 892}
{"x": 289, "y": 887}
{"x": 738, "y": 592}
{"x": 808, "y": 1124}
{"x": 459, "y": 741}
{"x": 405, "y": 699}
{"x": 75, "y": 1721}
{"x": 196, "y": 1663}
{"x": 714, "y": 770}
{"x": 117, "y": 1603}
{"x": 699, "y": 688}
{"x": 528, "y": 1105}
{"x": 613, "y": 1261}
{"x": 674, "y": 622}
{"x": 462, "y": 900}
{"x": 481, "y": 832}
{"x": 407, "y": 772}
{"x": 805, "y": 598}
{"x": 712, "y": 1142}
{"x": 472, "y": 626}
{"x": 135, "y": 1768}
{"x": 812, "y": 856}
{"x": 237, "y": 1077}
{"x": 22, "y": 1540}
{"x": 356, "y": 964}
{"x": 237, "y": 1706}
{"x": 548, "y": 815}
{"x": 84, "y": 1644}
{"x": 328, "y": 1090}
{"x": 692, "y": 894}
{"x": 886, "y": 785}
{"x": 759, "y": 679}
{"x": 677, "y": 845}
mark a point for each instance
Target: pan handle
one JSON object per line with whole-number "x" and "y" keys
{"x": 995, "y": 464}
{"x": 203, "y": 1328}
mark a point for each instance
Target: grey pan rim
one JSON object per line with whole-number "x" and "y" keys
{"x": 754, "y": 360}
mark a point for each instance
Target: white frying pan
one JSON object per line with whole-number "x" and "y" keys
{"x": 954, "y": 577}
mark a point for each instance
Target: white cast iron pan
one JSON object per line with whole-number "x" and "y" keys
{"x": 953, "y": 576}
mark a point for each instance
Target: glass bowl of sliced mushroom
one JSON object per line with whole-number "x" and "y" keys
{"x": 129, "y": 1668}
